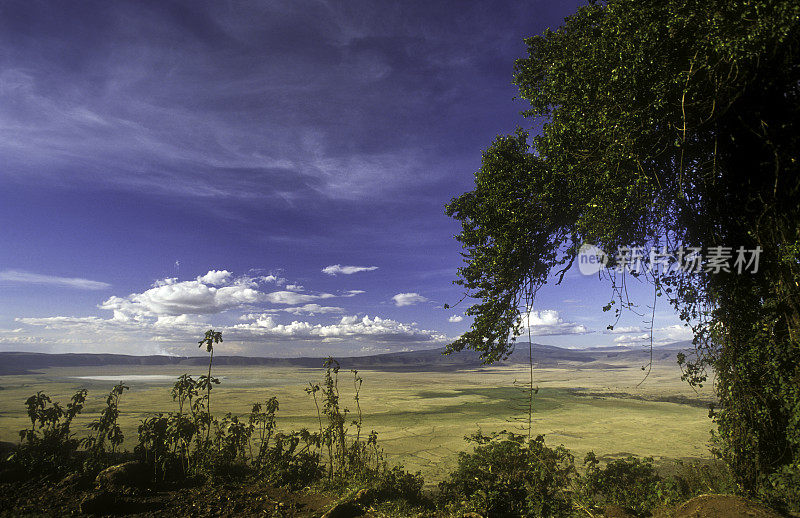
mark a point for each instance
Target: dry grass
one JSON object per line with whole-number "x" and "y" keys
{"x": 421, "y": 417}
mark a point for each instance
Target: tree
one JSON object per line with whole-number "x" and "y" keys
{"x": 665, "y": 124}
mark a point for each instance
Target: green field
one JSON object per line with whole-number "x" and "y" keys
{"x": 421, "y": 417}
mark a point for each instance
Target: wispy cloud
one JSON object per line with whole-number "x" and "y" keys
{"x": 621, "y": 330}
{"x": 455, "y": 318}
{"x": 408, "y": 299}
{"x": 336, "y": 269}
{"x": 22, "y": 277}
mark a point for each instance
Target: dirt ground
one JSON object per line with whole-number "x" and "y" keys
{"x": 236, "y": 500}
{"x": 72, "y": 497}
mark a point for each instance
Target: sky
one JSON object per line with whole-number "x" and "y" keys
{"x": 275, "y": 170}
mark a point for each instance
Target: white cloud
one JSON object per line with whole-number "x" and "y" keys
{"x": 408, "y": 299}
{"x": 455, "y": 318}
{"x": 215, "y": 277}
{"x": 203, "y": 296}
{"x": 291, "y": 297}
{"x": 349, "y": 327}
{"x": 619, "y": 330}
{"x": 549, "y": 323}
{"x": 336, "y": 269}
{"x": 630, "y": 340}
{"x": 634, "y": 335}
{"x": 675, "y": 333}
{"x": 168, "y": 317}
{"x": 22, "y": 277}
{"x": 170, "y": 297}
{"x": 313, "y": 309}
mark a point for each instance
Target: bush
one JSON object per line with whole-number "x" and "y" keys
{"x": 695, "y": 479}
{"x": 285, "y": 465}
{"x": 48, "y": 446}
{"x": 630, "y": 483}
{"x": 398, "y": 484}
{"x": 512, "y": 475}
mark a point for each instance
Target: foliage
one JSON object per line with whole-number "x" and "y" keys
{"x": 398, "y": 484}
{"x": 665, "y": 124}
{"x": 630, "y": 483}
{"x": 512, "y": 475}
{"x": 346, "y": 457}
{"x": 106, "y": 430}
{"x": 48, "y": 446}
{"x": 180, "y": 445}
{"x": 694, "y": 479}
{"x": 287, "y": 465}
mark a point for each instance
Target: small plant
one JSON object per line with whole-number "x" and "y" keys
{"x": 48, "y": 445}
{"x": 106, "y": 429}
{"x": 334, "y": 435}
{"x": 206, "y": 382}
{"x": 293, "y": 460}
{"x": 262, "y": 419}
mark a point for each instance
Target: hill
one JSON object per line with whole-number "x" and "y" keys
{"x": 428, "y": 359}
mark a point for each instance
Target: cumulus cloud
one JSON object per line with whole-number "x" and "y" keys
{"x": 22, "y": 277}
{"x": 549, "y": 323}
{"x": 408, "y": 299}
{"x": 215, "y": 277}
{"x": 212, "y": 293}
{"x": 336, "y": 269}
{"x": 170, "y": 315}
{"x": 455, "y": 318}
{"x": 349, "y": 327}
{"x": 171, "y": 297}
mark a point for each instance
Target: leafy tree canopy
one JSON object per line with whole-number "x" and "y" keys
{"x": 665, "y": 123}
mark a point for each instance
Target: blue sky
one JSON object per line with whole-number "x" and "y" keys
{"x": 276, "y": 170}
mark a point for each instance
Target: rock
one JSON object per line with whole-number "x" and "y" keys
{"x": 723, "y": 506}
{"x": 100, "y": 502}
{"x": 365, "y": 496}
{"x": 131, "y": 474}
{"x": 344, "y": 510}
{"x": 615, "y": 511}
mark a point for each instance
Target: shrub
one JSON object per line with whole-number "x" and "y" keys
{"x": 630, "y": 483}
{"x": 398, "y": 484}
{"x": 48, "y": 446}
{"x": 512, "y": 475}
{"x": 286, "y": 465}
{"x": 107, "y": 436}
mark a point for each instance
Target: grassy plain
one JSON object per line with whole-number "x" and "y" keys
{"x": 421, "y": 417}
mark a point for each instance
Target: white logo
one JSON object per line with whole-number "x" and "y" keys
{"x": 591, "y": 259}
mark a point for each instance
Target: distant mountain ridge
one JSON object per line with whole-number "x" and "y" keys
{"x": 426, "y": 359}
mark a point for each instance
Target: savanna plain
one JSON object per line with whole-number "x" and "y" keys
{"x": 421, "y": 416}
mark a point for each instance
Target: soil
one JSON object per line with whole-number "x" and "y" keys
{"x": 69, "y": 496}
{"x": 721, "y": 506}
{"x": 41, "y": 498}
